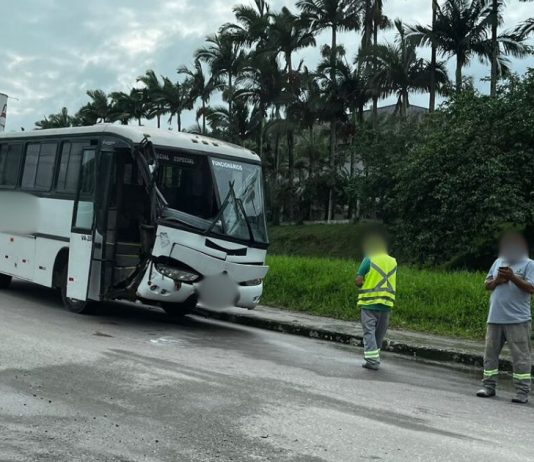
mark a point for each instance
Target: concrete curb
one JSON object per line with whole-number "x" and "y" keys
{"x": 415, "y": 349}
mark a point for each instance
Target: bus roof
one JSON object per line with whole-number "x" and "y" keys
{"x": 166, "y": 138}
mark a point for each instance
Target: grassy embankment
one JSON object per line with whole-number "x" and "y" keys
{"x": 316, "y": 275}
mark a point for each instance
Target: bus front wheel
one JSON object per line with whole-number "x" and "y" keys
{"x": 74, "y": 306}
{"x": 5, "y": 281}
{"x": 179, "y": 309}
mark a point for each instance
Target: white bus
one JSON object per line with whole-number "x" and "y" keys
{"x": 113, "y": 212}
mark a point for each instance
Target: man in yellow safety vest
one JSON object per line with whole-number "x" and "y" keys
{"x": 377, "y": 280}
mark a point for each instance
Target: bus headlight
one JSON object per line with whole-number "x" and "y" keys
{"x": 252, "y": 282}
{"x": 177, "y": 274}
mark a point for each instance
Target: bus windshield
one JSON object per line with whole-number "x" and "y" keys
{"x": 196, "y": 187}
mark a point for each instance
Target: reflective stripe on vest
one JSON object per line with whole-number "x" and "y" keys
{"x": 380, "y": 282}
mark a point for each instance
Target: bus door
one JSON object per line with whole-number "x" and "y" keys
{"x": 82, "y": 231}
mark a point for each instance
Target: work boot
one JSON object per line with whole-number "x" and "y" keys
{"x": 520, "y": 398}
{"x": 486, "y": 393}
{"x": 370, "y": 366}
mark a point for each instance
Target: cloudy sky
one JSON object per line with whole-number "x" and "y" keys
{"x": 53, "y": 51}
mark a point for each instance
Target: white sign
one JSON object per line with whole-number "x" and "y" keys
{"x": 227, "y": 165}
{"x": 3, "y": 111}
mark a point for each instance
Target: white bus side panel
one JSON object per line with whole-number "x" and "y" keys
{"x": 81, "y": 248}
{"x": 17, "y": 255}
{"x": 46, "y": 251}
{"x": 33, "y": 231}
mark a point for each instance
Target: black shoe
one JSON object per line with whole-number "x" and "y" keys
{"x": 520, "y": 398}
{"x": 486, "y": 393}
{"x": 371, "y": 367}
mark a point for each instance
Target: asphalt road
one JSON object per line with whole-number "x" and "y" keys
{"x": 128, "y": 384}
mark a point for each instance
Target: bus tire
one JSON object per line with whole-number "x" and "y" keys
{"x": 178, "y": 310}
{"x": 74, "y": 306}
{"x": 5, "y": 281}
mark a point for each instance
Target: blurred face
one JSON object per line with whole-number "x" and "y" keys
{"x": 513, "y": 248}
{"x": 374, "y": 245}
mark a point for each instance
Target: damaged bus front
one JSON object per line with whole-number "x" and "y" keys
{"x": 209, "y": 230}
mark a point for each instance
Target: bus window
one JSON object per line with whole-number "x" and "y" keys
{"x": 10, "y": 158}
{"x": 85, "y": 208}
{"x": 39, "y": 166}
{"x": 69, "y": 167}
{"x": 87, "y": 173}
{"x": 188, "y": 187}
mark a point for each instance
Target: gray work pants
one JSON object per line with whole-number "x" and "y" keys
{"x": 375, "y": 325}
{"x": 517, "y": 336}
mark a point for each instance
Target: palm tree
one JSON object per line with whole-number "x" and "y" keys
{"x": 308, "y": 110}
{"x": 153, "y": 92}
{"x": 175, "y": 98}
{"x": 496, "y": 20}
{"x": 262, "y": 84}
{"x": 98, "y": 110}
{"x": 373, "y": 20}
{"x": 127, "y": 106}
{"x": 336, "y": 16}
{"x": 226, "y": 59}
{"x": 398, "y": 70}
{"x": 288, "y": 34}
{"x": 220, "y": 121}
{"x": 462, "y": 30}
{"x": 202, "y": 87}
{"x": 526, "y": 28}
{"x": 59, "y": 120}
{"x": 252, "y": 23}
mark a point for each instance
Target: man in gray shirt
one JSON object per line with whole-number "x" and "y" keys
{"x": 511, "y": 281}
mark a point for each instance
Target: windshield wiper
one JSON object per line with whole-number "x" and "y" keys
{"x": 231, "y": 194}
{"x": 247, "y": 221}
{"x": 223, "y": 207}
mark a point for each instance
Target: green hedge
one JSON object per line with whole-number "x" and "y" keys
{"x": 444, "y": 303}
{"x": 335, "y": 241}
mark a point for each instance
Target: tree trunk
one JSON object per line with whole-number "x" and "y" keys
{"x": 494, "y": 47}
{"x": 310, "y": 153}
{"x": 459, "y": 72}
{"x": 276, "y": 203}
{"x": 290, "y": 141}
{"x": 350, "y": 214}
{"x": 404, "y": 104}
{"x": 375, "y": 96}
{"x": 291, "y": 176}
{"x": 203, "y": 116}
{"x": 311, "y": 170}
{"x": 333, "y": 142}
{"x": 277, "y": 155}
{"x": 433, "y": 61}
{"x": 158, "y": 117}
{"x": 230, "y": 106}
{"x": 179, "y": 121}
{"x": 262, "y": 124}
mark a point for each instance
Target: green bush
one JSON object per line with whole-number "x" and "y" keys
{"x": 429, "y": 301}
{"x": 470, "y": 175}
{"x": 333, "y": 241}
